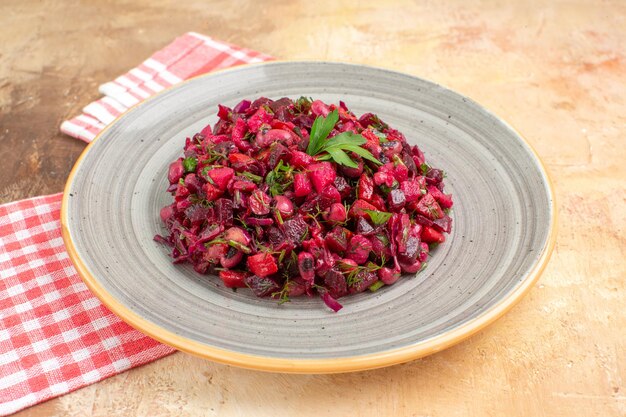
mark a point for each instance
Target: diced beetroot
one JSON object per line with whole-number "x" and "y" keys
{"x": 372, "y": 140}
{"x": 212, "y": 140}
{"x": 233, "y": 279}
{"x": 412, "y": 189}
{"x": 365, "y": 188}
{"x": 224, "y": 211}
{"x": 369, "y": 119}
{"x": 259, "y": 102}
{"x": 193, "y": 183}
{"x": 378, "y": 202}
{"x": 380, "y": 246}
{"x": 337, "y": 239}
{"x": 223, "y": 112}
{"x": 259, "y": 203}
{"x": 221, "y": 177}
{"x": 261, "y": 286}
{"x": 443, "y": 224}
{"x": 211, "y": 191}
{"x": 364, "y": 279}
{"x": 353, "y": 172}
{"x": 322, "y": 174}
{"x": 430, "y": 235}
{"x": 318, "y": 108}
{"x": 410, "y": 247}
{"x": 329, "y": 196}
{"x": 279, "y": 124}
{"x": 428, "y": 207}
{"x": 244, "y": 185}
{"x": 409, "y": 163}
{"x": 262, "y": 264}
{"x": 239, "y": 133}
{"x": 306, "y": 266}
{"x": 358, "y": 209}
{"x": 183, "y": 205}
{"x": 278, "y": 153}
{"x": 418, "y": 155}
{"x": 301, "y": 185}
{"x": 363, "y": 227}
{"x": 400, "y": 172}
{"x": 259, "y": 118}
{"x": 207, "y": 130}
{"x": 389, "y": 275}
{"x": 424, "y": 221}
{"x": 336, "y": 284}
{"x": 176, "y": 171}
{"x": 359, "y": 249}
{"x": 336, "y": 214}
{"x": 341, "y": 184}
{"x": 384, "y": 178}
{"x": 434, "y": 176}
{"x": 296, "y": 287}
{"x": 166, "y": 213}
{"x": 295, "y": 229}
{"x": 222, "y": 127}
{"x": 242, "y": 106}
{"x": 348, "y": 127}
{"x": 410, "y": 268}
{"x": 402, "y": 227}
{"x": 391, "y": 148}
{"x": 197, "y": 214}
{"x": 444, "y": 200}
{"x": 396, "y": 199}
{"x": 241, "y": 162}
{"x": 301, "y": 160}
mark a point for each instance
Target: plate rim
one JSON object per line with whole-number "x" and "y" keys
{"x": 309, "y": 366}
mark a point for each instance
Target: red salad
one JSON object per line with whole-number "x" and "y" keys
{"x": 291, "y": 198}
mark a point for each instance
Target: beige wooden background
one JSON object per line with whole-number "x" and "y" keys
{"x": 555, "y": 69}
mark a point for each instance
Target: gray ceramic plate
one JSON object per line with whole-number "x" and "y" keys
{"x": 503, "y": 231}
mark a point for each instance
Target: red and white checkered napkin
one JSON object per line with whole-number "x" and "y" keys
{"x": 55, "y": 336}
{"x": 189, "y": 55}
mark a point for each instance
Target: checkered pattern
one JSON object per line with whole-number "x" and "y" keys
{"x": 189, "y": 55}
{"x": 55, "y": 336}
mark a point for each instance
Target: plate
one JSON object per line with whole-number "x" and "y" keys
{"x": 503, "y": 231}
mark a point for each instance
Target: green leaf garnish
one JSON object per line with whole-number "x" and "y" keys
{"x": 337, "y": 147}
{"x": 378, "y": 217}
{"x": 322, "y": 126}
{"x": 190, "y": 164}
{"x": 252, "y": 177}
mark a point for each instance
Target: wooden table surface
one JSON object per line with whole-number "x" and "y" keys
{"x": 554, "y": 69}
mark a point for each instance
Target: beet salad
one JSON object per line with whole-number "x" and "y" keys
{"x": 291, "y": 198}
